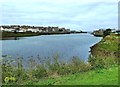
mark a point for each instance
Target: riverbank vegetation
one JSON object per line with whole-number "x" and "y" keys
{"x": 51, "y": 72}
{"x": 92, "y": 77}
{"x": 98, "y": 70}
{"x": 107, "y": 47}
{"x": 11, "y": 35}
{"x": 18, "y": 34}
{"x": 24, "y": 34}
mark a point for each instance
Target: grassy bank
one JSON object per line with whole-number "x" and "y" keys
{"x": 94, "y": 77}
{"x": 54, "y": 72}
{"x": 26, "y": 34}
{"x": 8, "y": 35}
{"x": 12, "y": 34}
{"x": 107, "y": 47}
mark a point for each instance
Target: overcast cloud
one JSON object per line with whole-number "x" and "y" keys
{"x": 74, "y": 14}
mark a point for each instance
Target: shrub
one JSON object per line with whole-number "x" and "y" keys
{"x": 40, "y": 72}
{"x": 100, "y": 62}
{"x": 78, "y": 65}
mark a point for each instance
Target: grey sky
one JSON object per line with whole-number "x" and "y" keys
{"x": 74, "y": 14}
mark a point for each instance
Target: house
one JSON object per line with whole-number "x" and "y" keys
{"x": 1, "y": 28}
{"x": 30, "y": 29}
{"x": 25, "y": 28}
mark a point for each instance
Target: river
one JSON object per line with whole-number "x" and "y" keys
{"x": 66, "y": 46}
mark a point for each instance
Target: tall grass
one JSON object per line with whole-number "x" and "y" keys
{"x": 100, "y": 62}
{"x": 14, "y": 71}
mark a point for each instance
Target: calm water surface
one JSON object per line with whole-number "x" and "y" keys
{"x": 66, "y": 46}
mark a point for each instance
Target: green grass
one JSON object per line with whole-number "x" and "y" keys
{"x": 93, "y": 77}
{"x": 110, "y": 43}
{"x": 109, "y": 46}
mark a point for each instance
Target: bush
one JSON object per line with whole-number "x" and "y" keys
{"x": 40, "y": 72}
{"x": 100, "y": 62}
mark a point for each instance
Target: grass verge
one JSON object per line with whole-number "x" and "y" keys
{"x": 93, "y": 77}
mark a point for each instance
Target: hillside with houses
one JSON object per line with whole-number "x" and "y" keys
{"x": 100, "y": 32}
{"x": 25, "y": 28}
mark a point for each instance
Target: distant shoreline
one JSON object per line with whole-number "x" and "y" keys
{"x": 16, "y": 36}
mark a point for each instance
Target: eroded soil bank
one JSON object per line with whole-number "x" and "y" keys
{"x": 107, "y": 47}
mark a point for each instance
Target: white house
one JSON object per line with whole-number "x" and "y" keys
{"x": 7, "y": 29}
{"x": 30, "y": 29}
{"x": 1, "y": 28}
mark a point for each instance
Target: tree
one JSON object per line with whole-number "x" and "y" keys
{"x": 16, "y": 30}
{"x": 106, "y": 32}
